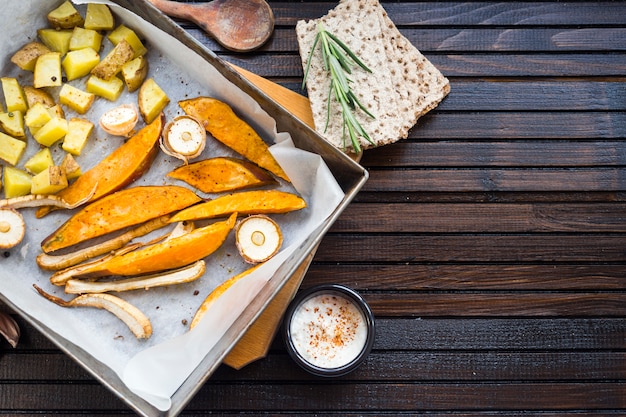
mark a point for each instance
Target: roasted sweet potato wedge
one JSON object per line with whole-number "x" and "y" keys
{"x": 116, "y": 211}
{"x": 221, "y": 174}
{"x": 120, "y": 168}
{"x": 169, "y": 254}
{"x": 220, "y": 120}
{"x": 244, "y": 202}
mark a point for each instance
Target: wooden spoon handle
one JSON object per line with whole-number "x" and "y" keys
{"x": 186, "y": 11}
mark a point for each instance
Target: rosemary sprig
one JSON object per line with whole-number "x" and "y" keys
{"x": 339, "y": 60}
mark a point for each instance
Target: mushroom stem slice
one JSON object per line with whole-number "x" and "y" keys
{"x": 40, "y": 200}
{"x": 258, "y": 238}
{"x": 134, "y": 318}
{"x": 12, "y": 228}
{"x": 184, "y": 138}
{"x": 178, "y": 276}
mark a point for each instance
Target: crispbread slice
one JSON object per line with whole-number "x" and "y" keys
{"x": 404, "y": 85}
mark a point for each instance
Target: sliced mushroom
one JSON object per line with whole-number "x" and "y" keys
{"x": 119, "y": 121}
{"x": 258, "y": 238}
{"x": 134, "y": 318}
{"x": 184, "y": 138}
{"x": 12, "y": 228}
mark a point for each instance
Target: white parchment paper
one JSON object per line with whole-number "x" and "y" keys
{"x": 155, "y": 368}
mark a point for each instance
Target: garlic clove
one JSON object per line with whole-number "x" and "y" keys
{"x": 9, "y": 329}
{"x": 119, "y": 121}
{"x": 258, "y": 238}
{"x": 184, "y": 138}
{"x": 12, "y": 228}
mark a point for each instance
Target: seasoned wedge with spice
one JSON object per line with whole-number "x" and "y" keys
{"x": 78, "y": 133}
{"x": 71, "y": 167}
{"x": 13, "y": 123}
{"x": 48, "y": 71}
{"x": 35, "y": 95}
{"x": 244, "y": 202}
{"x": 220, "y": 174}
{"x": 152, "y": 100}
{"x": 220, "y": 120}
{"x": 124, "y": 33}
{"x": 120, "y": 168}
{"x": 49, "y": 181}
{"x": 125, "y": 208}
{"x": 108, "y": 89}
{"x": 170, "y": 254}
{"x": 135, "y": 72}
{"x": 11, "y": 149}
{"x": 113, "y": 62}
{"x": 65, "y": 16}
{"x": 13, "y": 95}
{"x": 76, "y": 99}
{"x": 27, "y": 55}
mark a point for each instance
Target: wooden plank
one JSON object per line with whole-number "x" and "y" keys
{"x": 523, "y": 153}
{"x": 470, "y": 277}
{"x": 472, "y": 248}
{"x": 497, "y": 180}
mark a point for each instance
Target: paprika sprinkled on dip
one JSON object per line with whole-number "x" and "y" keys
{"x": 329, "y": 330}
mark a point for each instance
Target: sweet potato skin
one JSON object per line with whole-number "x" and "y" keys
{"x": 223, "y": 124}
{"x": 170, "y": 254}
{"x": 244, "y": 202}
{"x": 121, "y": 167}
{"x": 124, "y": 208}
{"x": 221, "y": 174}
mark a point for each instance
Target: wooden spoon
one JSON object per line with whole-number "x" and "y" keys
{"x": 238, "y": 25}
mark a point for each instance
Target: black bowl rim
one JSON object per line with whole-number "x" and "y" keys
{"x": 358, "y": 300}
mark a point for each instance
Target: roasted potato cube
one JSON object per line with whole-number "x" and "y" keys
{"x": 124, "y": 33}
{"x": 85, "y": 38}
{"x": 75, "y": 98}
{"x": 152, "y": 100}
{"x": 134, "y": 73}
{"x": 35, "y": 95}
{"x": 16, "y": 182}
{"x": 39, "y": 161}
{"x": 49, "y": 181}
{"x": 27, "y": 55}
{"x": 56, "y": 40}
{"x": 57, "y": 111}
{"x": 79, "y": 63}
{"x": 11, "y": 149}
{"x": 78, "y": 132}
{"x": 99, "y": 17}
{"x": 13, "y": 124}
{"x": 48, "y": 71}
{"x": 37, "y": 116}
{"x": 71, "y": 167}
{"x": 51, "y": 132}
{"x": 109, "y": 89}
{"x": 113, "y": 62}
{"x": 13, "y": 95}
{"x": 65, "y": 16}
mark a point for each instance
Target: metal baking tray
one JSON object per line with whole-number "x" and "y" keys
{"x": 349, "y": 175}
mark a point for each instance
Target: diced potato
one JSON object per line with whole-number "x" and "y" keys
{"x": 39, "y": 161}
{"x": 113, "y": 62}
{"x": 79, "y": 63}
{"x": 125, "y": 33}
{"x": 13, "y": 124}
{"x": 75, "y": 98}
{"x": 56, "y": 40}
{"x": 37, "y": 116}
{"x": 48, "y": 71}
{"x": 13, "y": 95}
{"x": 135, "y": 72}
{"x": 152, "y": 100}
{"x": 57, "y": 111}
{"x": 71, "y": 167}
{"x": 109, "y": 89}
{"x": 49, "y": 181}
{"x": 99, "y": 17}
{"x": 11, "y": 149}
{"x": 65, "y": 16}
{"x": 35, "y": 95}
{"x": 16, "y": 182}
{"x": 85, "y": 38}
{"x": 27, "y": 55}
{"x": 51, "y": 132}
{"x": 78, "y": 132}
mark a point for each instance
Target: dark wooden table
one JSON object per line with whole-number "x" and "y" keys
{"x": 491, "y": 244}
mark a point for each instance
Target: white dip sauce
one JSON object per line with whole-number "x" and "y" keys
{"x": 328, "y": 330}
